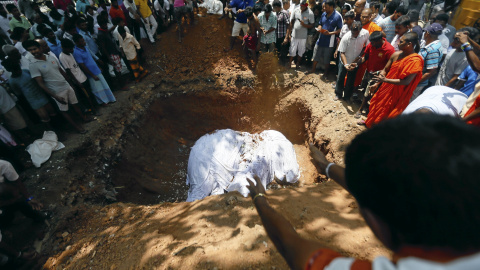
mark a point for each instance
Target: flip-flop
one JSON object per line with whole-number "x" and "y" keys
{"x": 91, "y": 119}
{"x": 361, "y": 123}
{"x": 357, "y": 115}
{"x": 83, "y": 131}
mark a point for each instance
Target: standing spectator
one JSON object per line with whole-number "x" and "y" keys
{"x": 180, "y": 9}
{"x": 5, "y": 24}
{"x": 47, "y": 72}
{"x": 52, "y": 42}
{"x": 448, "y": 30}
{"x": 18, "y": 36}
{"x": 348, "y": 20}
{"x": 250, "y": 40}
{"x": 11, "y": 52}
{"x": 301, "y": 20}
{"x": 350, "y": 48}
{"x": 62, "y": 4}
{"x": 467, "y": 80}
{"x": 388, "y": 24}
{"x": 376, "y": 16}
{"x": 376, "y": 56}
{"x": 414, "y": 15}
{"x": 453, "y": 65}
{"x": 330, "y": 25}
{"x": 399, "y": 79}
{"x": 313, "y": 35}
{"x": 109, "y": 49}
{"x": 18, "y": 20}
{"x": 35, "y": 30}
{"x": 82, "y": 27}
{"x": 45, "y": 18}
{"x": 116, "y": 11}
{"x": 21, "y": 81}
{"x": 283, "y": 23}
{"x": 13, "y": 118}
{"x": 135, "y": 19}
{"x": 81, "y": 5}
{"x": 402, "y": 26}
{"x": 149, "y": 21}
{"x": 368, "y": 25}
{"x": 240, "y": 22}
{"x": 268, "y": 24}
{"x": 130, "y": 46}
{"x": 358, "y": 8}
{"x": 25, "y": 7}
{"x": 76, "y": 75}
{"x": 431, "y": 54}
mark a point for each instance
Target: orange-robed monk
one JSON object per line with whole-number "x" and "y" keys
{"x": 399, "y": 78}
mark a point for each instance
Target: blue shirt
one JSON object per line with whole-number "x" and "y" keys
{"x": 29, "y": 88}
{"x": 83, "y": 56}
{"x": 471, "y": 78}
{"x": 241, "y": 4}
{"x": 432, "y": 54}
{"x": 332, "y": 23}
{"x": 55, "y": 48}
{"x": 91, "y": 43}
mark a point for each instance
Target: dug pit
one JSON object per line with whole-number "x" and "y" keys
{"x": 153, "y": 167}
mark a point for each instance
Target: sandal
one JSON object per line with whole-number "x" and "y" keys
{"x": 361, "y": 123}
{"x": 357, "y": 115}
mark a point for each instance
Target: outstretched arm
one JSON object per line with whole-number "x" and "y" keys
{"x": 335, "y": 172}
{"x": 471, "y": 56}
{"x": 293, "y": 248}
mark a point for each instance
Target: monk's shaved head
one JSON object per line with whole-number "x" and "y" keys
{"x": 367, "y": 12}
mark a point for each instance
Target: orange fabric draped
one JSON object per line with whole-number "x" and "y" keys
{"x": 371, "y": 27}
{"x": 475, "y": 105}
{"x": 390, "y": 100}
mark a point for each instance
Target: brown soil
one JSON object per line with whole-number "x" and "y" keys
{"x": 137, "y": 153}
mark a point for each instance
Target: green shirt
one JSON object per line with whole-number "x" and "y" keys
{"x": 24, "y": 23}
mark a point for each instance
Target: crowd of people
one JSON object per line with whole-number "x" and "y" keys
{"x": 386, "y": 53}
{"x": 392, "y": 57}
{"x": 61, "y": 62}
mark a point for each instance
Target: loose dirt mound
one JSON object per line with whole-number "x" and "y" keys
{"x": 193, "y": 85}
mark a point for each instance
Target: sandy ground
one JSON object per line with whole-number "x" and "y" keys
{"x": 128, "y": 156}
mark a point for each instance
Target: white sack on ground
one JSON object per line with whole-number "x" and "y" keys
{"x": 223, "y": 160}
{"x": 41, "y": 150}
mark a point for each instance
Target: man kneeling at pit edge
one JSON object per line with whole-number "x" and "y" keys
{"x": 419, "y": 196}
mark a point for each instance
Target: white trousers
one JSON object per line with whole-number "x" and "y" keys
{"x": 151, "y": 26}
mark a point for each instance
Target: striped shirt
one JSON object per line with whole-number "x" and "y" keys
{"x": 283, "y": 22}
{"x": 432, "y": 54}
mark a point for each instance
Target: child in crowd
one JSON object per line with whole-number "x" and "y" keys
{"x": 130, "y": 46}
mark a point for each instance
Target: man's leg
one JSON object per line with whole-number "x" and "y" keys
{"x": 316, "y": 55}
{"x": 349, "y": 85}
{"x": 342, "y": 72}
{"x": 326, "y": 60}
{"x": 148, "y": 29}
{"x": 154, "y": 25}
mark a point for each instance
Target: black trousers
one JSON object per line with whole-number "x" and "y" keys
{"x": 8, "y": 213}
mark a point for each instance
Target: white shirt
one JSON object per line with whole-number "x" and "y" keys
{"x": 395, "y": 42}
{"x": 68, "y": 62}
{"x": 116, "y": 35}
{"x": 440, "y": 100}
{"x": 129, "y": 45}
{"x": 352, "y": 47}
{"x": 132, "y": 5}
{"x": 7, "y": 171}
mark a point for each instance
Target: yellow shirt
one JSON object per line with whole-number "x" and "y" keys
{"x": 143, "y": 7}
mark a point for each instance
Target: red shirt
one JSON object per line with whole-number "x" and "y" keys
{"x": 117, "y": 12}
{"x": 378, "y": 58}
